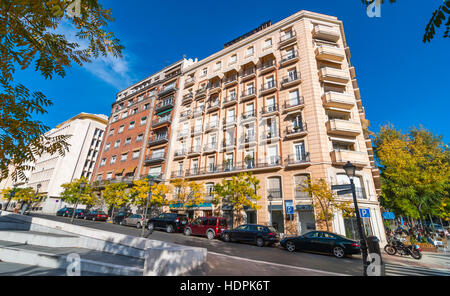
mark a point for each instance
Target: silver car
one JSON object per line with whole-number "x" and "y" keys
{"x": 134, "y": 220}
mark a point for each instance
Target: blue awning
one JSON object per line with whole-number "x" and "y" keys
{"x": 201, "y": 205}
{"x": 388, "y": 215}
{"x": 304, "y": 208}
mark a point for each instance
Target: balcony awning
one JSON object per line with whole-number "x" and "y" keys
{"x": 202, "y": 206}
{"x": 130, "y": 170}
{"x": 164, "y": 112}
{"x": 119, "y": 171}
{"x": 343, "y": 140}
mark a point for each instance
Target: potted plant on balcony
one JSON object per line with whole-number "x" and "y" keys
{"x": 269, "y": 135}
{"x": 296, "y": 128}
{"x": 249, "y": 161}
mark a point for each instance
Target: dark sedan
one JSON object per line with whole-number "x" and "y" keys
{"x": 171, "y": 222}
{"x": 96, "y": 215}
{"x": 65, "y": 212}
{"x": 260, "y": 235}
{"x": 80, "y": 213}
{"x": 322, "y": 242}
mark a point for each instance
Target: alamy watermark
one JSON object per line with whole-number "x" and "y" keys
{"x": 374, "y": 267}
{"x": 74, "y": 267}
{"x": 74, "y": 9}
{"x": 374, "y": 9}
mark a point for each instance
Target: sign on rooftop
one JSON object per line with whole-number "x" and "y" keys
{"x": 254, "y": 31}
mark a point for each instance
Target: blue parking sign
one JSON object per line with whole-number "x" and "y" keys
{"x": 365, "y": 213}
{"x": 289, "y": 207}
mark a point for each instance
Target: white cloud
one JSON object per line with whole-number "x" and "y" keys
{"x": 114, "y": 71}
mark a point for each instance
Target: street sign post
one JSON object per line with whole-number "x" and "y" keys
{"x": 339, "y": 187}
{"x": 289, "y": 204}
{"x": 344, "y": 192}
{"x": 365, "y": 213}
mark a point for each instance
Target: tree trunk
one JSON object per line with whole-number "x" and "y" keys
{"x": 112, "y": 212}
{"x": 421, "y": 218}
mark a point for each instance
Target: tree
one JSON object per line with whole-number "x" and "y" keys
{"x": 439, "y": 16}
{"x": 188, "y": 193}
{"x": 115, "y": 195}
{"x": 139, "y": 193}
{"x": 71, "y": 192}
{"x": 240, "y": 191}
{"x": 415, "y": 170}
{"x": 22, "y": 195}
{"x": 28, "y": 37}
{"x": 326, "y": 200}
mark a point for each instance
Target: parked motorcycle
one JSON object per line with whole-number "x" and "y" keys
{"x": 395, "y": 246}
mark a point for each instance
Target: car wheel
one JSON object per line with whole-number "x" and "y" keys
{"x": 151, "y": 226}
{"x": 210, "y": 234}
{"x": 290, "y": 246}
{"x": 187, "y": 231}
{"x": 260, "y": 242}
{"x": 338, "y": 252}
{"x": 121, "y": 222}
{"x": 138, "y": 225}
{"x": 226, "y": 237}
{"x": 169, "y": 228}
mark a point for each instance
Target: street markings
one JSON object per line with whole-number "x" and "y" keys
{"x": 403, "y": 270}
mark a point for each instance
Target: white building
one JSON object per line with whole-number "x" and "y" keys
{"x": 51, "y": 171}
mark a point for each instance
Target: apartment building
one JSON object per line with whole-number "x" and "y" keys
{"x": 283, "y": 103}
{"x": 138, "y": 134}
{"x": 51, "y": 171}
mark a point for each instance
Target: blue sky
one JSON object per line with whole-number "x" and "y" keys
{"x": 402, "y": 80}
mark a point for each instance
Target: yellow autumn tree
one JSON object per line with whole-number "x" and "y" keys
{"x": 139, "y": 193}
{"x": 115, "y": 195}
{"x": 188, "y": 193}
{"x": 325, "y": 201}
{"x": 72, "y": 192}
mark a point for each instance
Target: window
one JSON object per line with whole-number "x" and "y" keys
{"x": 131, "y": 125}
{"x": 134, "y": 111}
{"x": 130, "y": 102}
{"x": 268, "y": 43}
{"x": 108, "y": 176}
{"x": 139, "y": 138}
{"x": 140, "y": 98}
{"x": 249, "y": 51}
{"x": 124, "y": 157}
{"x": 299, "y": 182}
{"x": 211, "y": 164}
{"x": 274, "y": 187}
{"x": 124, "y": 114}
{"x": 135, "y": 154}
{"x": 233, "y": 59}
{"x": 117, "y": 144}
{"x": 116, "y": 117}
{"x": 155, "y": 171}
{"x": 146, "y": 106}
{"x": 113, "y": 159}
{"x": 204, "y": 71}
{"x": 158, "y": 153}
{"x": 107, "y": 146}
{"x": 111, "y": 132}
{"x": 359, "y": 188}
{"x": 121, "y": 129}
{"x": 345, "y": 146}
{"x": 143, "y": 120}
{"x": 294, "y": 98}
{"x": 99, "y": 177}
{"x": 128, "y": 141}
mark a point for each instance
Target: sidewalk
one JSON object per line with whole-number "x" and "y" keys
{"x": 440, "y": 261}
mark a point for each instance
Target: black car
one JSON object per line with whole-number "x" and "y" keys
{"x": 171, "y": 222}
{"x": 322, "y": 242}
{"x": 261, "y": 235}
{"x": 120, "y": 216}
{"x": 80, "y": 213}
{"x": 96, "y": 215}
{"x": 65, "y": 212}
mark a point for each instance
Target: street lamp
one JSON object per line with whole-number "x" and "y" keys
{"x": 350, "y": 170}
{"x": 82, "y": 186}
{"x": 151, "y": 181}
{"x": 38, "y": 186}
{"x": 270, "y": 206}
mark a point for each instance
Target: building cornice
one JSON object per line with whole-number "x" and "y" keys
{"x": 93, "y": 117}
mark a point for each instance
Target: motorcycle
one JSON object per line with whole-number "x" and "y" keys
{"x": 395, "y": 246}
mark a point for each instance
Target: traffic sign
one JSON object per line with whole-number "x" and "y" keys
{"x": 339, "y": 187}
{"x": 344, "y": 192}
{"x": 289, "y": 207}
{"x": 365, "y": 213}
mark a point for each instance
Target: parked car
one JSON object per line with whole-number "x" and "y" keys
{"x": 120, "y": 216}
{"x": 134, "y": 220}
{"x": 80, "y": 213}
{"x": 96, "y": 215}
{"x": 65, "y": 212}
{"x": 171, "y": 222}
{"x": 261, "y": 235}
{"x": 210, "y": 227}
{"x": 322, "y": 242}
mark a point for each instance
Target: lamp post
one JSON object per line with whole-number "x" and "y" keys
{"x": 38, "y": 186}
{"x": 151, "y": 181}
{"x": 350, "y": 170}
{"x": 270, "y": 206}
{"x": 82, "y": 186}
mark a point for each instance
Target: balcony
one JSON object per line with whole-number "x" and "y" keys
{"x": 294, "y": 105}
{"x": 199, "y": 111}
{"x": 333, "y": 75}
{"x": 162, "y": 121}
{"x": 330, "y": 53}
{"x": 185, "y": 115}
{"x": 214, "y": 88}
{"x": 298, "y": 160}
{"x": 248, "y": 116}
{"x": 267, "y": 67}
{"x": 343, "y": 127}
{"x": 290, "y": 80}
{"x": 248, "y": 74}
{"x": 340, "y": 157}
{"x": 296, "y": 131}
{"x": 268, "y": 88}
{"x": 167, "y": 90}
{"x": 177, "y": 174}
{"x": 230, "y": 100}
{"x": 155, "y": 158}
{"x": 181, "y": 153}
{"x": 326, "y": 33}
{"x": 187, "y": 98}
{"x": 189, "y": 82}
{"x": 164, "y": 105}
{"x": 229, "y": 121}
{"x": 210, "y": 126}
{"x": 230, "y": 80}
{"x": 213, "y": 106}
{"x": 158, "y": 140}
{"x": 200, "y": 93}
{"x": 210, "y": 148}
{"x": 270, "y": 110}
{"x": 289, "y": 58}
{"x": 270, "y": 136}
{"x": 338, "y": 100}
{"x": 183, "y": 134}
{"x": 248, "y": 94}
{"x": 195, "y": 151}
{"x": 288, "y": 38}
{"x": 250, "y": 140}
{"x": 196, "y": 130}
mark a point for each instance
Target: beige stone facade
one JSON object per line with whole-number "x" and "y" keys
{"x": 282, "y": 103}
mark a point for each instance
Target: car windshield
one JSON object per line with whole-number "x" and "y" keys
{"x": 101, "y": 213}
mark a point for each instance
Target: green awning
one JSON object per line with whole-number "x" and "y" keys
{"x": 164, "y": 112}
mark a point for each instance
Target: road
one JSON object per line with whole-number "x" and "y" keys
{"x": 224, "y": 257}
